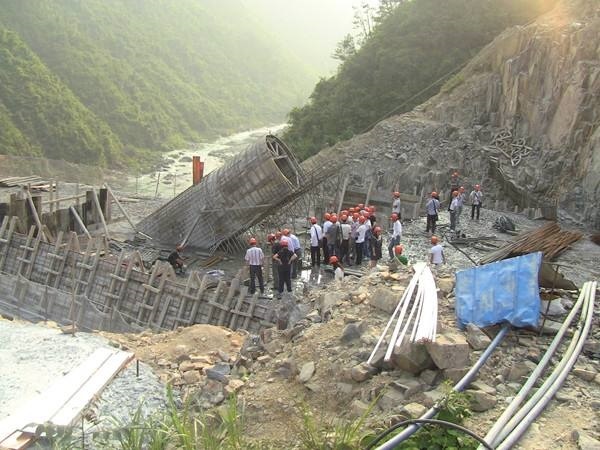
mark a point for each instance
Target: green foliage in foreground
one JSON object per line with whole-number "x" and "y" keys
{"x": 404, "y": 61}
{"x": 188, "y": 428}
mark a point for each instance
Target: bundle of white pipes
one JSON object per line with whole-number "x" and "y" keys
{"x": 511, "y": 425}
{"x": 422, "y": 315}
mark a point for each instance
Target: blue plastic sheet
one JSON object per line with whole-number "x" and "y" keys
{"x": 504, "y": 291}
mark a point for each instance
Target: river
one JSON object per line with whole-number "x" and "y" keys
{"x": 176, "y": 174}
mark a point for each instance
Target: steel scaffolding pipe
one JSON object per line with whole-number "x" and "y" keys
{"x": 231, "y": 199}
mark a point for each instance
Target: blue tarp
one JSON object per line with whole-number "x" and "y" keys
{"x": 504, "y": 291}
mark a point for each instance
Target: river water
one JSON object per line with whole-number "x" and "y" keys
{"x": 176, "y": 174}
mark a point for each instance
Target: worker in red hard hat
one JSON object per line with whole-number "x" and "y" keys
{"x": 326, "y": 225}
{"x": 338, "y": 270}
{"x": 273, "y": 240}
{"x": 360, "y": 239}
{"x": 476, "y": 198}
{"x": 398, "y": 256}
{"x": 436, "y": 253}
{"x": 452, "y": 209}
{"x": 396, "y": 233}
{"x": 316, "y": 240}
{"x": 294, "y": 246}
{"x": 176, "y": 260}
{"x": 375, "y": 245}
{"x": 397, "y": 205}
{"x": 255, "y": 260}
{"x": 345, "y": 230}
{"x": 433, "y": 208}
{"x": 461, "y": 201}
{"x": 333, "y": 235}
{"x": 285, "y": 260}
{"x": 454, "y": 182}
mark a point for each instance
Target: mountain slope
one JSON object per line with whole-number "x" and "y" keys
{"x": 157, "y": 72}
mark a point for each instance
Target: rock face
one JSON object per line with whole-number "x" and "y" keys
{"x": 538, "y": 85}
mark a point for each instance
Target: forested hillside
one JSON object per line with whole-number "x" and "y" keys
{"x": 404, "y": 59}
{"x": 105, "y": 81}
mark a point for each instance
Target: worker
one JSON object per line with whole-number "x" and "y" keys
{"x": 476, "y": 199}
{"x": 332, "y": 236}
{"x": 397, "y": 205}
{"x": 461, "y": 202}
{"x": 396, "y": 233}
{"x": 295, "y": 247}
{"x": 360, "y": 239}
{"x": 368, "y": 233}
{"x": 326, "y": 225}
{"x": 255, "y": 260}
{"x": 454, "y": 183}
{"x": 284, "y": 259}
{"x": 398, "y": 256}
{"x": 338, "y": 270}
{"x": 176, "y": 260}
{"x": 273, "y": 240}
{"x": 452, "y": 210}
{"x": 316, "y": 237}
{"x": 345, "y": 229}
{"x": 353, "y": 234}
{"x": 375, "y": 246}
{"x": 436, "y": 253}
{"x": 432, "y": 206}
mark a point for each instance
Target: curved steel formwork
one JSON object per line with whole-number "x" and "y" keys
{"x": 229, "y": 200}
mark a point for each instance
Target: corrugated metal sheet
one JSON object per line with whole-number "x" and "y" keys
{"x": 504, "y": 291}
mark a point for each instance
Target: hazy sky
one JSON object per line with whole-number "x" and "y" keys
{"x": 309, "y": 28}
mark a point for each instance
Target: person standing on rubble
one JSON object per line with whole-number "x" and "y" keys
{"x": 284, "y": 259}
{"x": 454, "y": 183}
{"x": 345, "y": 229}
{"x": 452, "y": 209}
{"x": 476, "y": 199}
{"x": 176, "y": 260}
{"x": 332, "y": 236}
{"x": 432, "y": 206}
{"x": 375, "y": 245}
{"x": 273, "y": 240}
{"x": 296, "y": 248}
{"x": 398, "y": 256}
{"x": 360, "y": 239}
{"x": 255, "y": 259}
{"x": 397, "y": 205}
{"x": 316, "y": 237}
{"x": 396, "y": 233}
{"x": 353, "y": 235}
{"x": 326, "y": 225}
{"x": 461, "y": 202}
{"x": 436, "y": 253}
{"x": 338, "y": 270}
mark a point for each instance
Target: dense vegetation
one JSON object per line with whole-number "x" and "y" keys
{"x": 105, "y": 81}
{"x": 405, "y": 50}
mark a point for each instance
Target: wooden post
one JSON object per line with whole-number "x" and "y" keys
{"x": 77, "y": 194}
{"x": 118, "y": 203}
{"x": 157, "y": 183}
{"x": 99, "y": 210}
{"x": 56, "y": 195}
{"x": 36, "y": 217}
{"x": 51, "y": 196}
{"x": 80, "y": 222}
{"x": 343, "y": 194}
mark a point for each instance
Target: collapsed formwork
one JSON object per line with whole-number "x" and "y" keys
{"x": 231, "y": 199}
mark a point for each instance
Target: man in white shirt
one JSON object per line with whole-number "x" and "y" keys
{"x": 326, "y": 226}
{"x": 461, "y": 202}
{"x": 316, "y": 235}
{"x": 294, "y": 247}
{"x": 255, "y": 258}
{"x": 346, "y": 228}
{"x": 397, "y": 205}
{"x": 432, "y": 206}
{"x": 360, "y": 239}
{"x": 476, "y": 199}
{"x": 452, "y": 209}
{"x": 396, "y": 234}
{"x": 436, "y": 253}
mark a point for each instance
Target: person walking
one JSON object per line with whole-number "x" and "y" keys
{"x": 432, "y": 206}
{"x": 375, "y": 246}
{"x": 255, "y": 259}
{"x": 316, "y": 237}
{"x": 396, "y": 233}
{"x": 285, "y": 259}
{"x": 436, "y": 253}
{"x": 452, "y": 209}
{"x": 476, "y": 199}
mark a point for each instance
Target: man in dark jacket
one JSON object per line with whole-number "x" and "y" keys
{"x": 284, "y": 258}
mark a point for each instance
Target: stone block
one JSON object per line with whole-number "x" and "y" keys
{"x": 454, "y": 374}
{"x": 358, "y": 408}
{"x": 481, "y": 386}
{"x": 584, "y": 374}
{"x": 445, "y": 285}
{"x": 414, "y": 410}
{"x": 412, "y": 358}
{"x": 287, "y": 369}
{"x": 191, "y": 377}
{"x": 449, "y": 351}
{"x": 352, "y": 331}
{"x": 519, "y": 370}
{"x": 362, "y": 372}
{"x": 428, "y": 376}
{"x": 476, "y": 338}
{"x": 390, "y": 399}
{"x": 407, "y": 386}
{"x": 481, "y": 401}
{"x": 385, "y": 300}
{"x": 306, "y": 372}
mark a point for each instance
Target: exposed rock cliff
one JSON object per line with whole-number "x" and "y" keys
{"x": 535, "y": 88}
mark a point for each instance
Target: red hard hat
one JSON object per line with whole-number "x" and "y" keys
{"x": 454, "y": 193}
{"x": 334, "y": 218}
{"x": 398, "y": 249}
{"x": 333, "y": 259}
{"x": 394, "y": 216}
{"x": 327, "y": 216}
{"x": 377, "y": 230}
{"x": 286, "y": 232}
{"x": 362, "y": 219}
{"x": 313, "y": 220}
{"x": 361, "y": 206}
{"x": 277, "y": 234}
{"x": 355, "y": 215}
{"x": 252, "y": 241}
{"x": 283, "y": 241}
{"x": 344, "y": 217}
{"x": 434, "y": 239}
{"x": 434, "y": 194}
{"x": 396, "y": 194}
{"x": 270, "y": 237}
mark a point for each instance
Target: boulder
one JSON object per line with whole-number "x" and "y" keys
{"x": 385, "y": 300}
{"x": 219, "y": 372}
{"x": 358, "y": 408}
{"x": 481, "y": 386}
{"x": 584, "y": 374}
{"x": 476, "y": 338}
{"x": 414, "y": 410}
{"x": 191, "y": 377}
{"x": 362, "y": 372}
{"x": 445, "y": 285}
{"x": 390, "y": 399}
{"x": 233, "y": 386}
{"x": 352, "y": 331}
{"x": 481, "y": 401}
{"x": 519, "y": 370}
{"x": 454, "y": 374}
{"x": 450, "y": 350}
{"x": 287, "y": 369}
{"x": 412, "y": 358}
{"x": 407, "y": 386}
{"x": 428, "y": 376}
{"x": 306, "y": 372}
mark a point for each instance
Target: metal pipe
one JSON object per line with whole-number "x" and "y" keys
{"x": 520, "y": 397}
{"x": 549, "y": 387}
{"x": 460, "y": 386}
